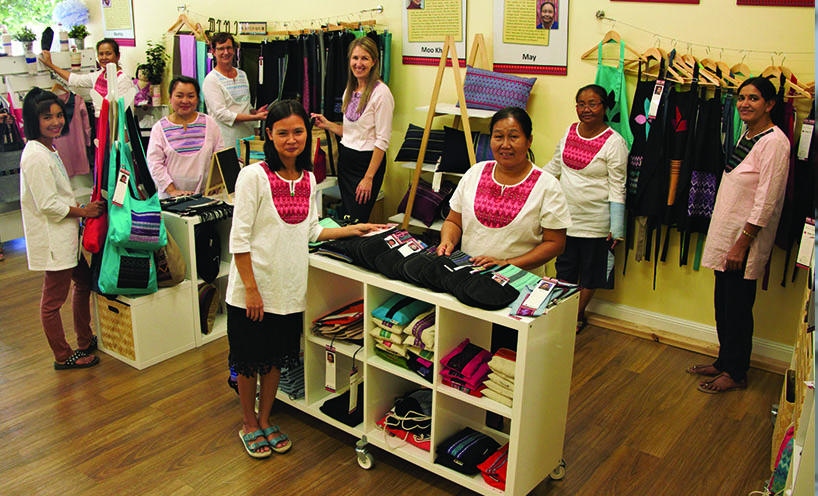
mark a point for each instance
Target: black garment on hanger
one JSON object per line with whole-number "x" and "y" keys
{"x": 248, "y": 62}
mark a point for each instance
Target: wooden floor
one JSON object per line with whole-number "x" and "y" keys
{"x": 637, "y": 425}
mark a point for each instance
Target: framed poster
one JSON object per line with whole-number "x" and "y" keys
{"x": 426, "y": 23}
{"x": 117, "y": 21}
{"x": 531, "y": 36}
{"x": 778, "y": 3}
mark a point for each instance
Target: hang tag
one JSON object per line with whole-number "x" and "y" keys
{"x": 658, "y": 89}
{"x": 806, "y": 139}
{"x": 437, "y": 178}
{"x": 260, "y": 69}
{"x": 121, "y": 187}
{"x": 538, "y": 296}
{"x": 409, "y": 248}
{"x": 807, "y": 249}
{"x": 354, "y": 379}
{"x": 329, "y": 380}
{"x": 503, "y": 280}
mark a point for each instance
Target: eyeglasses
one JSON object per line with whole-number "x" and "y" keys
{"x": 224, "y": 49}
{"x": 590, "y": 105}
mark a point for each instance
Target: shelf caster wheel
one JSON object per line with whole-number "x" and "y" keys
{"x": 559, "y": 472}
{"x": 365, "y": 458}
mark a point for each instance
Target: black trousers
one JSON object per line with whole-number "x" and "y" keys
{"x": 734, "y": 298}
{"x": 352, "y": 166}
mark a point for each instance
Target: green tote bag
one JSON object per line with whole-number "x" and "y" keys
{"x": 137, "y": 224}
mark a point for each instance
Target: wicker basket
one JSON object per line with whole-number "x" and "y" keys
{"x": 115, "y": 327}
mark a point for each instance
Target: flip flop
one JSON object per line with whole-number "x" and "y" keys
{"x": 581, "y": 324}
{"x": 273, "y": 429}
{"x": 738, "y": 387}
{"x": 252, "y": 447}
{"x": 91, "y": 347}
{"x": 71, "y": 362}
{"x": 694, "y": 370}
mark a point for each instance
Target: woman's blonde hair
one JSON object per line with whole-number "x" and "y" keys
{"x": 374, "y": 74}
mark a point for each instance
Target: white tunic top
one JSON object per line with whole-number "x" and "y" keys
{"x": 225, "y": 98}
{"x": 592, "y": 174}
{"x": 52, "y": 238}
{"x": 373, "y": 128}
{"x": 278, "y": 250}
{"x": 512, "y": 226}
{"x": 124, "y": 84}
{"x": 752, "y": 192}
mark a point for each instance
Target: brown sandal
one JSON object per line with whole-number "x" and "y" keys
{"x": 708, "y": 386}
{"x": 697, "y": 370}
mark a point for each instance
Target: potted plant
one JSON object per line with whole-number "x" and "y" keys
{"x": 78, "y": 34}
{"x": 154, "y": 69}
{"x": 27, "y": 37}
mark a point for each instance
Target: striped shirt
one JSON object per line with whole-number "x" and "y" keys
{"x": 185, "y": 141}
{"x": 743, "y": 149}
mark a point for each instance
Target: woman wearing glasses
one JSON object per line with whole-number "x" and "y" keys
{"x": 226, "y": 92}
{"x": 591, "y": 162}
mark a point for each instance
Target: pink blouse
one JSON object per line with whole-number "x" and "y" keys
{"x": 752, "y": 192}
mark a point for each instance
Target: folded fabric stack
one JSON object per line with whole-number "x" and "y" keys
{"x": 411, "y": 418}
{"x": 343, "y": 323}
{"x": 465, "y": 450}
{"x": 292, "y": 380}
{"x": 500, "y": 386}
{"x": 466, "y": 368}
{"x": 395, "y": 321}
{"x": 534, "y": 299}
{"x": 495, "y": 467}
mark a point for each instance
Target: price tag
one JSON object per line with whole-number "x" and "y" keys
{"x": 437, "y": 178}
{"x": 261, "y": 70}
{"x": 538, "y": 296}
{"x": 354, "y": 379}
{"x": 807, "y": 248}
{"x": 121, "y": 187}
{"x": 806, "y": 139}
{"x": 329, "y": 380}
{"x": 656, "y": 99}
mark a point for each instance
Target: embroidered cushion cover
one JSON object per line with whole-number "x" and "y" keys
{"x": 493, "y": 91}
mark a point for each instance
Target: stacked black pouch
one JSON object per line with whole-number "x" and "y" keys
{"x": 432, "y": 274}
{"x": 409, "y": 270}
{"x": 487, "y": 290}
{"x": 465, "y": 450}
{"x": 364, "y": 250}
{"x": 208, "y": 251}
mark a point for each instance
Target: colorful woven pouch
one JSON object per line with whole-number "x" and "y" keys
{"x": 490, "y": 90}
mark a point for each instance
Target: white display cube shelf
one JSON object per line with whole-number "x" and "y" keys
{"x": 145, "y": 330}
{"x": 545, "y": 349}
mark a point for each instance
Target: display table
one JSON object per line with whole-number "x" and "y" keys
{"x": 543, "y": 376}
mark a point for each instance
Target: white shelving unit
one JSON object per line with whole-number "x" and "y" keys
{"x": 543, "y": 375}
{"x": 183, "y": 231}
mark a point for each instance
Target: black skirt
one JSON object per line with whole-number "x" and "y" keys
{"x": 352, "y": 166}
{"x": 258, "y": 347}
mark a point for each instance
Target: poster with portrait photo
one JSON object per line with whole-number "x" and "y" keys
{"x": 426, "y": 24}
{"x": 117, "y": 21}
{"x": 531, "y": 36}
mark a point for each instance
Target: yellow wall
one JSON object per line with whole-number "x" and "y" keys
{"x": 681, "y": 293}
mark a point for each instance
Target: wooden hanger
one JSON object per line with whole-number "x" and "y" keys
{"x": 741, "y": 69}
{"x": 730, "y": 81}
{"x": 59, "y": 89}
{"x": 610, "y": 36}
{"x": 183, "y": 21}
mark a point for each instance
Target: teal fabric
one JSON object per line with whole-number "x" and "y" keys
{"x": 201, "y": 68}
{"x": 617, "y": 220}
{"x": 129, "y": 225}
{"x": 613, "y": 80}
{"x": 386, "y": 63}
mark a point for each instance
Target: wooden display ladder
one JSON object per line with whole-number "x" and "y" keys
{"x": 478, "y": 49}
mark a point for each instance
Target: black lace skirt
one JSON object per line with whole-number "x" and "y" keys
{"x": 258, "y": 347}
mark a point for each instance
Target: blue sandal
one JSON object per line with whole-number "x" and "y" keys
{"x": 272, "y": 430}
{"x": 253, "y": 447}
